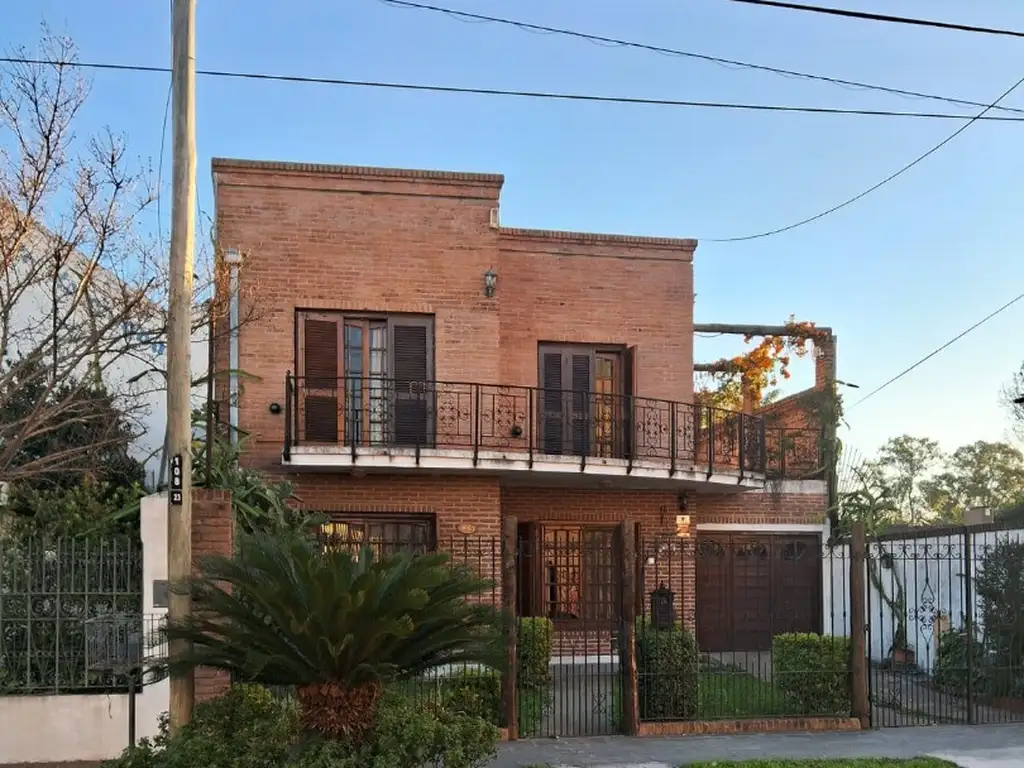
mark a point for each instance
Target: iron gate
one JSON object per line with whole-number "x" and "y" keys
{"x": 945, "y": 611}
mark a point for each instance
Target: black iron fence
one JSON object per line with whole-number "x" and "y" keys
{"x": 365, "y": 414}
{"x": 946, "y": 626}
{"x": 55, "y": 596}
{"x": 742, "y": 626}
{"x": 726, "y": 626}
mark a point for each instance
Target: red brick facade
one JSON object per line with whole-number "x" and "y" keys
{"x": 390, "y": 241}
{"x": 213, "y": 533}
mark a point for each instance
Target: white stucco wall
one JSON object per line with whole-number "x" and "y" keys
{"x": 54, "y": 729}
{"x": 933, "y": 572}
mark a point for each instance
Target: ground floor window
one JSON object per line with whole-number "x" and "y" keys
{"x": 384, "y": 534}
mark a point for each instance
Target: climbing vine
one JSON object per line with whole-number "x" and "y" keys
{"x": 760, "y": 368}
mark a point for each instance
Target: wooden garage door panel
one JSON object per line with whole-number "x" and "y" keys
{"x": 714, "y": 621}
{"x": 750, "y": 588}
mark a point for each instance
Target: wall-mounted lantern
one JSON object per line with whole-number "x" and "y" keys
{"x": 490, "y": 282}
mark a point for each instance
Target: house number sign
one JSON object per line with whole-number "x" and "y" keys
{"x": 176, "y": 479}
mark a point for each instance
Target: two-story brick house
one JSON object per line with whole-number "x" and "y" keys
{"x": 422, "y": 373}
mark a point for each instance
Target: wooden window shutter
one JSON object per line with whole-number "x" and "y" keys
{"x": 320, "y": 379}
{"x": 583, "y": 364}
{"x": 412, "y": 345}
{"x": 552, "y": 401}
{"x": 628, "y": 410}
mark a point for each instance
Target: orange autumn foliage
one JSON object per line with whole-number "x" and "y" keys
{"x": 760, "y": 367}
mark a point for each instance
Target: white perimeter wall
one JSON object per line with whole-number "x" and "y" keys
{"x": 932, "y": 570}
{"x": 55, "y": 729}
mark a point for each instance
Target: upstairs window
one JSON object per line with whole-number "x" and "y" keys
{"x": 584, "y": 399}
{"x": 366, "y": 379}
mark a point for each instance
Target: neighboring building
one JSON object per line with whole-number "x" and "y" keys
{"x": 129, "y": 353}
{"x": 422, "y": 373}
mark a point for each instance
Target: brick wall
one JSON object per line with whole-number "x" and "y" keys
{"x": 379, "y": 240}
{"x": 762, "y": 508}
{"x": 663, "y": 558}
{"x": 213, "y": 533}
{"x": 598, "y": 290}
{"x": 453, "y": 500}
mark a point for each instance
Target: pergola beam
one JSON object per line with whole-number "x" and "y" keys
{"x": 744, "y": 329}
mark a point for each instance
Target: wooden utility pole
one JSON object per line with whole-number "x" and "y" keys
{"x": 179, "y": 340}
{"x": 860, "y": 707}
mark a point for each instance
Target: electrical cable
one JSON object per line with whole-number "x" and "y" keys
{"x": 729, "y": 63}
{"x": 867, "y": 16}
{"x": 550, "y": 95}
{"x": 937, "y": 350}
{"x": 879, "y": 185}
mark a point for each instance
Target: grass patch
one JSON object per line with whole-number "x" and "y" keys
{"x": 727, "y": 692}
{"x": 532, "y": 705}
{"x": 866, "y": 762}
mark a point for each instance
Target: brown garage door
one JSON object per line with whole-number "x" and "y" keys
{"x": 750, "y": 588}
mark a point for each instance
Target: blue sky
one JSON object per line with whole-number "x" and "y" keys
{"x": 895, "y": 274}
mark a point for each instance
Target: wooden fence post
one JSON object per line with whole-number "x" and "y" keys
{"x": 859, "y": 704}
{"x": 627, "y": 633}
{"x": 509, "y": 543}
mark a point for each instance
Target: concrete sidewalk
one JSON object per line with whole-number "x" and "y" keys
{"x": 980, "y": 746}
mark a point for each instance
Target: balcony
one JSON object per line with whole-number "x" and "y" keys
{"x": 380, "y": 424}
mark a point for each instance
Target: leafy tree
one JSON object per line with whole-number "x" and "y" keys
{"x": 82, "y": 434}
{"x": 258, "y": 505}
{"x": 339, "y": 627}
{"x": 999, "y": 585}
{"x": 90, "y": 509}
{"x": 871, "y": 500}
{"x": 904, "y": 463}
{"x": 981, "y": 474}
{"x": 1013, "y": 391}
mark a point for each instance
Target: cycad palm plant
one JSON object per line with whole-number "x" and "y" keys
{"x": 338, "y": 627}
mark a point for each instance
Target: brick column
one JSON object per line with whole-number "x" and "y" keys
{"x": 824, "y": 362}
{"x": 213, "y": 533}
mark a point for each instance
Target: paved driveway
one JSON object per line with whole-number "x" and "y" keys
{"x": 981, "y": 746}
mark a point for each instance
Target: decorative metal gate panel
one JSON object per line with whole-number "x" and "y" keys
{"x": 946, "y": 626}
{"x": 569, "y": 600}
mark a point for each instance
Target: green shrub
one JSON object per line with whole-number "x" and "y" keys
{"x": 250, "y": 728}
{"x": 245, "y": 728}
{"x": 474, "y": 692}
{"x": 951, "y": 663}
{"x": 407, "y": 734}
{"x": 666, "y": 662}
{"x": 999, "y": 585}
{"x": 813, "y": 671}
{"x": 534, "y": 653}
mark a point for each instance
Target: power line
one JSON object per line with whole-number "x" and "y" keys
{"x": 866, "y": 16}
{"x": 936, "y": 351}
{"x": 874, "y": 187}
{"x": 547, "y": 95}
{"x": 731, "y": 63}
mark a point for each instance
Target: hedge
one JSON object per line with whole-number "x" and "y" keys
{"x": 534, "y": 653}
{"x": 813, "y": 671}
{"x": 666, "y": 662}
{"x": 475, "y": 692}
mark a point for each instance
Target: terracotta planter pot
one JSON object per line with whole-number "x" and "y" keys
{"x": 902, "y": 657}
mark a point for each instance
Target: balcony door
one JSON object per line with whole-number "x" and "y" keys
{"x": 366, "y": 379}
{"x": 585, "y": 400}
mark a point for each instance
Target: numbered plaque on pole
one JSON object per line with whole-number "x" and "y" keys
{"x": 176, "y": 479}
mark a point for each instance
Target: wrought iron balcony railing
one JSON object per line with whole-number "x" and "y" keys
{"x": 794, "y": 453}
{"x": 375, "y": 413}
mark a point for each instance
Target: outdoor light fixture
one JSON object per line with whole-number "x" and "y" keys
{"x": 275, "y": 408}
{"x": 490, "y": 282}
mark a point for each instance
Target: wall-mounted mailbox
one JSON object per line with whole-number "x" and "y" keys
{"x": 161, "y": 593}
